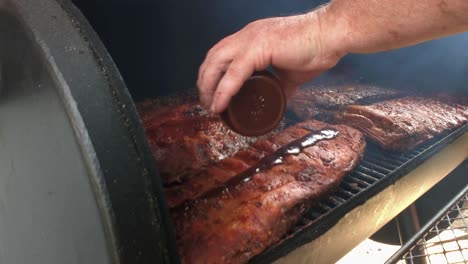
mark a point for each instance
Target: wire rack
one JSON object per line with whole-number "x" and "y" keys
{"x": 377, "y": 170}
{"x": 443, "y": 240}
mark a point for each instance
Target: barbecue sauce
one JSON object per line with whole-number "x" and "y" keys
{"x": 293, "y": 148}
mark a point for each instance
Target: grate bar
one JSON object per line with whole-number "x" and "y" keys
{"x": 385, "y": 160}
{"x": 359, "y": 181}
{"x": 337, "y": 199}
{"x": 324, "y": 207}
{"x": 387, "y": 165}
{"x": 377, "y": 167}
{"x": 350, "y": 186}
{"x": 365, "y": 176}
{"x": 345, "y": 195}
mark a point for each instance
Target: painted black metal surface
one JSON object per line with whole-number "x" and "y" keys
{"x": 144, "y": 230}
{"x": 79, "y": 182}
{"x": 48, "y": 213}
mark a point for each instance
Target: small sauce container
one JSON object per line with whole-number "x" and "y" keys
{"x": 258, "y": 107}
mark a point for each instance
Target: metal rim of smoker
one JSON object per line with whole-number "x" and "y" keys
{"x": 159, "y": 212}
{"x": 325, "y": 216}
{"x": 143, "y": 234}
{"x": 124, "y": 177}
{"x": 408, "y": 246}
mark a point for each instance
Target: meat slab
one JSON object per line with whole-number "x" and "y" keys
{"x": 235, "y": 215}
{"x": 323, "y": 102}
{"x": 185, "y": 138}
{"x": 404, "y": 123}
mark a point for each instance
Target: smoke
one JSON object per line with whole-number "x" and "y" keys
{"x": 439, "y": 65}
{"x": 159, "y": 45}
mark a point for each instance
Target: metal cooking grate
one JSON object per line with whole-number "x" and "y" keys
{"x": 443, "y": 240}
{"x": 378, "y": 170}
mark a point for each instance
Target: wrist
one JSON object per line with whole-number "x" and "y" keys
{"x": 331, "y": 32}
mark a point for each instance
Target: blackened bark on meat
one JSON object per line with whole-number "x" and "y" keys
{"x": 185, "y": 138}
{"x": 402, "y": 124}
{"x": 234, "y": 225}
{"x": 322, "y": 103}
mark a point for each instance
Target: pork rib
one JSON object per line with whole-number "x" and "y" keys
{"x": 323, "y": 102}
{"x": 185, "y": 138}
{"x": 404, "y": 123}
{"x": 232, "y": 225}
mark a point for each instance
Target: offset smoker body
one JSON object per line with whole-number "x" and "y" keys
{"x": 79, "y": 184}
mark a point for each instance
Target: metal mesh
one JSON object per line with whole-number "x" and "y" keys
{"x": 376, "y": 165}
{"x": 445, "y": 242}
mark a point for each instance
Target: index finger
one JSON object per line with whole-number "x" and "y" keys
{"x": 211, "y": 71}
{"x": 237, "y": 73}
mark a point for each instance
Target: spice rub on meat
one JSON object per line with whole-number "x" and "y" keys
{"x": 323, "y": 102}
{"x": 231, "y": 221}
{"x": 185, "y": 138}
{"x": 404, "y": 123}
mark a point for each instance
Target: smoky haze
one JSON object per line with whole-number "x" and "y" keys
{"x": 439, "y": 65}
{"x": 158, "y": 45}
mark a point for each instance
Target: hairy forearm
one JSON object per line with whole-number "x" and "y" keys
{"x": 365, "y": 26}
{"x": 304, "y": 46}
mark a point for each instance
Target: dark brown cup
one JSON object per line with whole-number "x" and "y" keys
{"x": 258, "y": 107}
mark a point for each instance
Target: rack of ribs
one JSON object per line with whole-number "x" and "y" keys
{"x": 323, "y": 102}
{"x": 404, "y": 123}
{"x": 244, "y": 204}
{"x": 184, "y": 137}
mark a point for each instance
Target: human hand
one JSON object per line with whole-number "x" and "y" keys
{"x": 295, "y": 46}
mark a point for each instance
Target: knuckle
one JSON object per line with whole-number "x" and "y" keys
{"x": 225, "y": 41}
{"x": 235, "y": 71}
{"x": 220, "y": 46}
{"x": 219, "y": 95}
{"x": 226, "y": 90}
{"x": 211, "y": 51}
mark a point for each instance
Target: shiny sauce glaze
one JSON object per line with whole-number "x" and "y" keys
{"x": 293, "y": 148}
